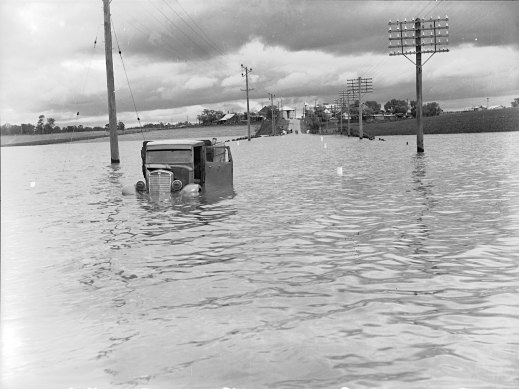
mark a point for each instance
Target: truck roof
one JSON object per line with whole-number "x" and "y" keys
{"x": 178, "y": 143}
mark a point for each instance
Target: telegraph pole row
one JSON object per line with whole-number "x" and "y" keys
{"x": 419, "y": 36}
{"x": 246, "y": 75}
{"x": 357, "y": 87}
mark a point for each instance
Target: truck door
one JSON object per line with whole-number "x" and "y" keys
{"x": 218, "y": 166}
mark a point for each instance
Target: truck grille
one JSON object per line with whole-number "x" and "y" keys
{"x": 160, "y": 181}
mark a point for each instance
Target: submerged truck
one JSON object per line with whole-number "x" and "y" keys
{"x": 185, "y": 165}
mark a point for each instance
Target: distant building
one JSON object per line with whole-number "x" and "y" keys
{"x": 230, "y": 118}
{"x": 288, "y": 113}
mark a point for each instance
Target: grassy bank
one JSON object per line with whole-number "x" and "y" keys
{"x": 499, "y": 120}
{"x": 128, "y": 134}
{"x": 45, "y": 139}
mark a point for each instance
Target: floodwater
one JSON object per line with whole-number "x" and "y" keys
{"x": 400, "y": 273}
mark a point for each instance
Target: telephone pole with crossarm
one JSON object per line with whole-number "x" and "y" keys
{"x": 419, "y": 36}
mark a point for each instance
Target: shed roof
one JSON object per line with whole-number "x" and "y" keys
{"x": 227, "y": 117}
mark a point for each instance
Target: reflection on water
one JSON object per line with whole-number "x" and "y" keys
{"x": 401, "y": 273}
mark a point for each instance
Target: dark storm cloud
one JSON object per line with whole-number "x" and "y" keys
{"x": 338, "y": 27}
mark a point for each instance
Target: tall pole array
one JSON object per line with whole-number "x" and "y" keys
{"x": 246, "y": 75}
{"x": 112, "y": 116}
{"x": 358, "y": 87}
{"x": 419, "y": 36}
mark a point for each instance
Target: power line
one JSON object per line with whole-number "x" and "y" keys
{"x": 127, "y": 79}
{"x": 202, "y": 35}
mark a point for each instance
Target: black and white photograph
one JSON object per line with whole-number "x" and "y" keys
{"x": 239, "y": 194}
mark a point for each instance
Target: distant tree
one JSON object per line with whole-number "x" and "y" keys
{"x": 40, "y": 124}
{"x": 373, "y": 105}
{"x": 28, "y": 128}
{"x": 396, "y": 106}
{"x": 413, "y": 108}
{"x": 120, "y": 126}
{"x": 210, "y": 116}
{"x": 11, "y": 129}
{"x": 48, "y": 128}
{"x": 431, "y": 109}
{"x": 515, "y": 103}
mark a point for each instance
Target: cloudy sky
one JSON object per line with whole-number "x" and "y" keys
{"x": 182, "y": 56}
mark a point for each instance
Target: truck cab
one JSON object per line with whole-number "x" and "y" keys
{"x": 174, "y": 164}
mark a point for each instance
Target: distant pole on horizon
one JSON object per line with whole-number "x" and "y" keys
{"x": 112, "y": 115}
{"x": 418, "y": 39}
{"x": 346, "y": 94}
{"x": 246, "y": 75}
{"x": 271, "y": 96}
{"x": 358, "y": 87}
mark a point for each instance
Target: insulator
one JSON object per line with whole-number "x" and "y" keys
{"x": 405, "y": 27}
{"x": 439, "y": 32}
{"x": 405, "y": 20}
{"x": 397, "y": 20}
{"x": 389, "y": 28}
{"x": 446, "y": 24}
{"x": 446, "y": 18}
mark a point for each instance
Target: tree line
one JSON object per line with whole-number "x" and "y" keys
{"x": 48, "y": 126}
{"x": 398, "y": 108}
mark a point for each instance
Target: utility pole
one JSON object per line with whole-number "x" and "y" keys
{"x": 345, "y": 95}
{"x": 112, "y": 116}
{"x": 421, "y": 36}
{"x": 271, "y": 96}
{"x": 358, "y": 87}
{"x": 246, "y": 75}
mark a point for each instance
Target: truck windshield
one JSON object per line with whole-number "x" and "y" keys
{"x": 169, "y": 156}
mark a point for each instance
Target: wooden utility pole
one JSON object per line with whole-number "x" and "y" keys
{"x": 419, "y": 36}
{"x": 361, "y": 132}
{"x": 419, "y": 108}
{"x": 357, "y": 87}
{"x": 272, "y": 110}
{"x": 112, "y": 116}
{"x": 345, "y": 97}
{"x": 246, "y": 75}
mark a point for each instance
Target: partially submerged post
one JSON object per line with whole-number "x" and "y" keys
{"x": 112, "y": 117}
{"x": 419, "y": 41}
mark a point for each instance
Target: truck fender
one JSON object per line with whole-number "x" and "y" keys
{"x": 191, "y": 190}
